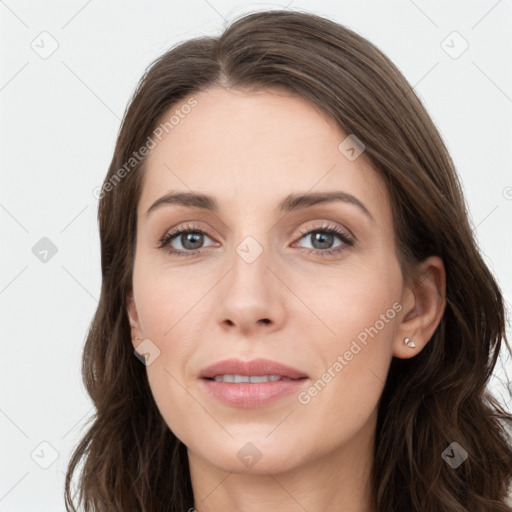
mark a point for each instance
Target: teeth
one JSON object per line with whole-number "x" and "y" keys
{"x": 236, "y": 379}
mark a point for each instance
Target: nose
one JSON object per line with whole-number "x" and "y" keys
{"x": 251, "y": 297}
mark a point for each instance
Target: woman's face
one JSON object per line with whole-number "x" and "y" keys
{"x": 314, "y": 285}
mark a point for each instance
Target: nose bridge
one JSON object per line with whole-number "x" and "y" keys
{"x": 249, "y": 275}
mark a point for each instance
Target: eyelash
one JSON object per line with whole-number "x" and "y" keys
{"x": 326, "y": 228}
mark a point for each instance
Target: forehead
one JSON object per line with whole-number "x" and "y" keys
{"x": 251, "y": 148}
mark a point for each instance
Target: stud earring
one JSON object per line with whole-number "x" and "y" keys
{"x": 409, "y": 343}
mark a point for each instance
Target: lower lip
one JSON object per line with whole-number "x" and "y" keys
{"x": 247, "y": 395}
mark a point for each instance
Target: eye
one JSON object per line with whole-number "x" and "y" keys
{"x": 323, "y": 237}
{"x": 190, "y": 237}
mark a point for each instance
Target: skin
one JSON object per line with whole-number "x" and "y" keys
{"x": 249, "y": 150}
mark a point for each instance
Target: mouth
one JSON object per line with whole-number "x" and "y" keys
{"x": 253, "y": 383}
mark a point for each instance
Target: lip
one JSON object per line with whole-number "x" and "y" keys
{"x": 253, "y": 367}
{"x": 249, "y": 395}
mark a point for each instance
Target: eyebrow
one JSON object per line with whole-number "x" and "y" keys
{"x": 290, "y": 203}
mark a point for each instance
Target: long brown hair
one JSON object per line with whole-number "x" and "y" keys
{"x": 131, "y": 459}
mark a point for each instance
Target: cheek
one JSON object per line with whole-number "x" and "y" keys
{"x": 359, "y": 313}
{"x": 167, "y": 301}
{"x": 164, "y": 295}
{"x": 360, "y": 302}
{"x": 171, "y": 386}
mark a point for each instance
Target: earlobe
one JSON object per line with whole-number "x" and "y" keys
{"x": 421, "y": 317}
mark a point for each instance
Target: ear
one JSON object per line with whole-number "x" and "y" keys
{"x": 133, "y": 318}
{"x": 424, "y": 303}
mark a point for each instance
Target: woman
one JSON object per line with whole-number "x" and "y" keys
{"x": 285, "y": 243}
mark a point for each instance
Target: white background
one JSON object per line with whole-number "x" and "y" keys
{"x": 59, "y": 121}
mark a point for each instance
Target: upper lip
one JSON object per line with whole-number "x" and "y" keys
{"x": 253, "y": 367}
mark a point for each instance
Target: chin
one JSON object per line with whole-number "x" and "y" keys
{"x": 251, "y": 455}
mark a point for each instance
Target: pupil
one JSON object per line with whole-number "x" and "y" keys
{"x": 189, "y": 237}
{"x": 325, "y": 240}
